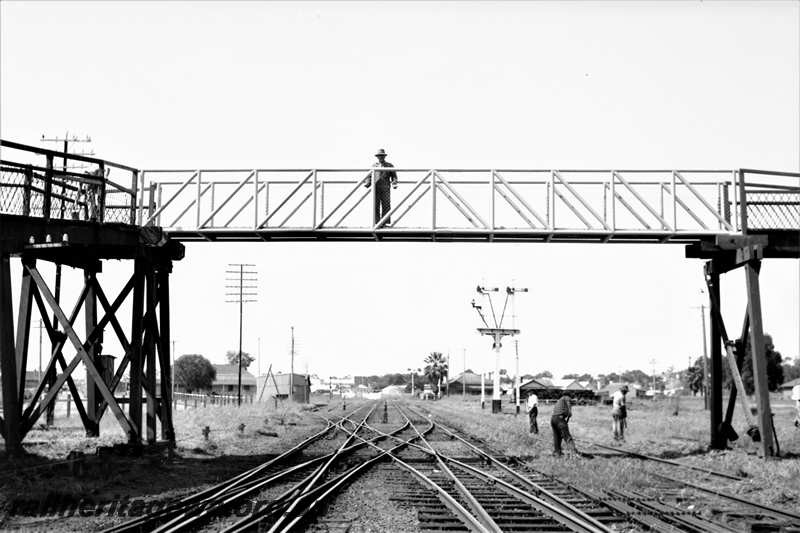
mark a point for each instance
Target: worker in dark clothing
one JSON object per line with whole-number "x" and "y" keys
{"x": 383, "y": 178}
{"x": 559, "y": 421}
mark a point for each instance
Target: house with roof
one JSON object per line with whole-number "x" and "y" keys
{"x": 227, "y": 380}
{"x": 567, "y": 384}
{"x": 541, "y": 387}
{"x": 634, "y": 391}
{"x": 468, "y": 383}
{"x": 786, "y": 388}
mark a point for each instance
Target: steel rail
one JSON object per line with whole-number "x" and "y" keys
{"x": 538, "y": 488}
{"x": 773, "y": 510}
{"x": 776, "y": 512}
{"x": 219, "y": 489}
{"x": 568, "y": 517}
{"x": 138, "y": 523}
{"x": 482, "y": 514}
{"x": 230, "y": 497}
{"x": 458, "y": 510}
{"x": 669, "y": 515}
{"x": 322, "y": 470}
{"x": 666, "y": 461}
{"x": 291, "y": 496}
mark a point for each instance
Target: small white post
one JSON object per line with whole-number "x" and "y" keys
{"x": 483, "y": 389}
{"x": 516, "y": 379}
{"x": 496, "y": 381}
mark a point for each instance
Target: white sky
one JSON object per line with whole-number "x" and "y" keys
{"x": 472, "y": 84}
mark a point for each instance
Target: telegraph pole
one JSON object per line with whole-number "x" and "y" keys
{"x": 704, "y": 388}
{"x": 464, "y": 375}
{"x": 653, "y": 362}
{"x": 240, "y": 297}
{"x": 447, "y": 377}
{"x": 291, "y": 372}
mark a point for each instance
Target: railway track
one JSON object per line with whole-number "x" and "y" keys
{"x": 451, "y": 481}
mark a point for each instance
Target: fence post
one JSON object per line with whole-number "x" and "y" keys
{"x": 101, "y": 201}
{"x": 742, "y": 204}
{"x": 26, "y": 192}
{"x": 134, "y": 195}
{"x": 204, "y": 401}
{"x": 69, "y": 404}
{"x": 48, "y": 188}
{"x": 151, "y": 202}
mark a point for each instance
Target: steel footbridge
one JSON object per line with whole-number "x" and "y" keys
{"x": 733, "y": 218}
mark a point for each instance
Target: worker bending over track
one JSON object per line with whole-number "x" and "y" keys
{"x": 559, "y": 422}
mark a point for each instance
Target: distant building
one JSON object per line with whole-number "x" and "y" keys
{"x": 278, "y": 386}
{"x": 634, "y": 391}
{"x": 393, "y": 391}
{"x": 469, "y": 383}
{"x": 568, "y": 384}
{"x": 226, "y": 382}
{"x": 541, "y": 387}
{"x": 786, "y": 388}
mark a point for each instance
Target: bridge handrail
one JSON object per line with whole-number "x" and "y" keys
{"x": 56, "y": 153}
{"x": 711, "y": 201}
{"x": 50, "y": 192}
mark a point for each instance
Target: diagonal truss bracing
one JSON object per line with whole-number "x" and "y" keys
{"x": 474, "y": 204}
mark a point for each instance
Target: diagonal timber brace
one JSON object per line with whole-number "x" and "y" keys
{"x": 88, "y": 362}
{"x": 748, "y": 255}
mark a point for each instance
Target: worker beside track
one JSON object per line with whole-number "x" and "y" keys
{"x": 533, "y": 412}
{"x": 383, "y": 178}
{"x": 619, "y": 413}
{"x": 559, "y": 422}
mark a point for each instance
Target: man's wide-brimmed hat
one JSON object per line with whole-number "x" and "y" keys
{"x": 380, "y": 152}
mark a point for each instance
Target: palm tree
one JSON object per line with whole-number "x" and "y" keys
{"x": 436, "y": 369}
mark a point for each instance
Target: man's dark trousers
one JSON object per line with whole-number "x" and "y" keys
{"x": 534, "y": 425}
{"x": 560, "y": 432}
{"x": 382, "y": 201}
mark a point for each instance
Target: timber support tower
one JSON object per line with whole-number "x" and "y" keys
{"x": 730, "y": 218}
{"x": 53, "y": 215}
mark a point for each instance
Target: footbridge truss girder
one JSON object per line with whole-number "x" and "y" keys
{"x": 681, "y": 206}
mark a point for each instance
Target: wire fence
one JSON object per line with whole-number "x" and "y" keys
{"x": 773, "y": 210}
{"x": 31, "y": 185}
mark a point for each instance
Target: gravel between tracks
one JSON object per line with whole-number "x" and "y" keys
{"x": 367, "y": 505}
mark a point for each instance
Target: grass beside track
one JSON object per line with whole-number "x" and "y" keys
{"x": 652, "y": 430}
{"x": 201, "y": 463}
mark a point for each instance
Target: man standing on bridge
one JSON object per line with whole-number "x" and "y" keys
{"x": 383, "y": 178}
